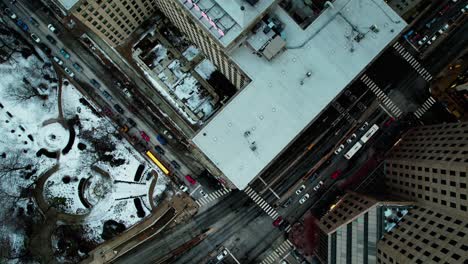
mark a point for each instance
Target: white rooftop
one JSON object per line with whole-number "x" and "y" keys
{"x": 274, "y": 108}
{"x": 234, "y": 15}
{"x": 68, "y": 4}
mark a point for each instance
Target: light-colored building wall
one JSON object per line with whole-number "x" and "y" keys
{"x": 203, "y": 40}
{"x": 114, "y": 20}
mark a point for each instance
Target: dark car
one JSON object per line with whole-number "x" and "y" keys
{"x": 45, "y": 48}
{"x": 175, "y": 164}
{"x": 119, "y": 109}
{"x": 131, "y": 122}
{"x": 22, "y": 25}
{"x": 159, "y": 150}
{"x": 51, "y": 39}
{"x": 34, "y": 22}
{"x": 95, "y": 83}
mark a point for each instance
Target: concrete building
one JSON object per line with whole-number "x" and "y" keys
{"x": 287, "y": 69}
{"x": 349, "y": 232}
{"x": 115, "y": 20}
{"x": 429, "y": 166}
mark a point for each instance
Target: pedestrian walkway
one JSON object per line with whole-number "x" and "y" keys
{"x": 212, "y": 196}
{"x": 424, "y": 107}
{"x": 412, "y": 61}
{"x": 286, "y": 246}
{"x": 381, "y": 96}
{"x": 261, "y": 202}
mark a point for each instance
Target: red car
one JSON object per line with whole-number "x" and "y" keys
{"x": 190, "y": 179}
{"x": 336, "y": 174}
{"x": 389, "y": 121}
{"x": 278, "y": 221}
{"x": 144, "y": 136}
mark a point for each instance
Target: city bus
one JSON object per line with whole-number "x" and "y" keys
{"x": 157, "y": 162}
{"x": 353, "y": 150}
{"x": 369, "y": 133}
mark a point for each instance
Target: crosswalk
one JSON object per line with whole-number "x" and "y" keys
{"x": 261, "y": 202}
{"x": 286, "y": 246}
{"x": 412, "y": 61}
{"x": 424, "y": 107}
{"x": 212, "y": 196}
{"x": 381, "y": 95}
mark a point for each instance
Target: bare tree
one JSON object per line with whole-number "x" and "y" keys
{"x": 24, "y": 91}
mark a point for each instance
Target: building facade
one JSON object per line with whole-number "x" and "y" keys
{"x": 115, "y": 20}
{"x": 350, "y": 231}
{"x": 429, "y": 166}
{"x": 182, "y": 19}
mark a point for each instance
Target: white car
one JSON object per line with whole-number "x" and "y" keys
{"x": 444, "y": 28}
{"x": 463, "y": 10}
{"x": 339, "y": 149}
{"x": 203, "y": 193}
{"x": 69, "y": 72}
{"x": 364, "y": 126}
{"x": 351, "y": 139}
{"x": 318, "y": 186}
{"x": 298, "y": 191}
{"x": 423, "y": 40}
{"x": 58, "y": 61}
{"x": 304, "y": 198}
{"x": 127, "y": 93}
{"x": 52, "y": 28}
{"x": 183, "y": 188}
{"x": 222, "y": 255}
{"x": 35, "y": 38}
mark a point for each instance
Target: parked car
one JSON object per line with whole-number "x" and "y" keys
{"x": 127, "y": 92}
{"x": 107, "y": 95}
{"x": 35, "y": 38}
{"x": 131, "y": 122}
{"x": 95, "y": 83}
{"x": 45, "y": 48}
{"x": 69, "y": 72}
{"x": 339, "y": 149}
{"x": 65, "y": 54}
{"x": 423, "y": 40}
{"x": 444, "y": 28}
{"x": 53, "y": 29}
{"x": 317, "y": 187}
{"x": 183, "y": 188}
{"x": 58, "y": 61}
{"x": 161, "y": 139}
{"x": 77, "y": 67}
{"x": 22, "y": 25}
{"x": 278, "y": 221}
{"x": 51, "y": 39}
{"x": 336, "y": 174}
{"x": 364, "y": 126}
{"x": 302, "y": 188}
{"x": 190, "y": 179}
{"x": 107, "y": 111}
{"x": 159, "y": 150}
{"x": 144, "y": 136}
{"x": 34, "y": 22}
{"x": 119, "y": 108}
{"x": 10, "y": 13}
{"x": 351, "y": 138}
{"x": 203, "y": 193}
{"x": 222, "y": 255}
{"x": 304, "y": 198}
{"x": 175, "y": 164}
{"x": 288, "y": 202}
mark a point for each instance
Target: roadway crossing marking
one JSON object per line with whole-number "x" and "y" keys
{"x": 212, "y": 196}
{"x": 412, "y": 61}
{"x": 261, "y": 202}
{"x": 384, "y": 99}
{"x": 424, "y": 107}
{"x": 286, "y": 246}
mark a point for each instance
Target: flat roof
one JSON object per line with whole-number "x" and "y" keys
{"x": 257, "y": 124}
{"x": 232, "y": 17}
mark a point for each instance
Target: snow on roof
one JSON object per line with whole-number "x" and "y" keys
{"x": 68, "y": 4}
{"x": 274, "y": 108}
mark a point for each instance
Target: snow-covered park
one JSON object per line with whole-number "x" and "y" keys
{"x": 62, "y": 164}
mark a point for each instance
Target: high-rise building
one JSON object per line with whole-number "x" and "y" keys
{"x": 114, "y": 20}
{"x": 429, "y": 166}
{"x": 289, "y": 60}
{"x": 349, "y": 232}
